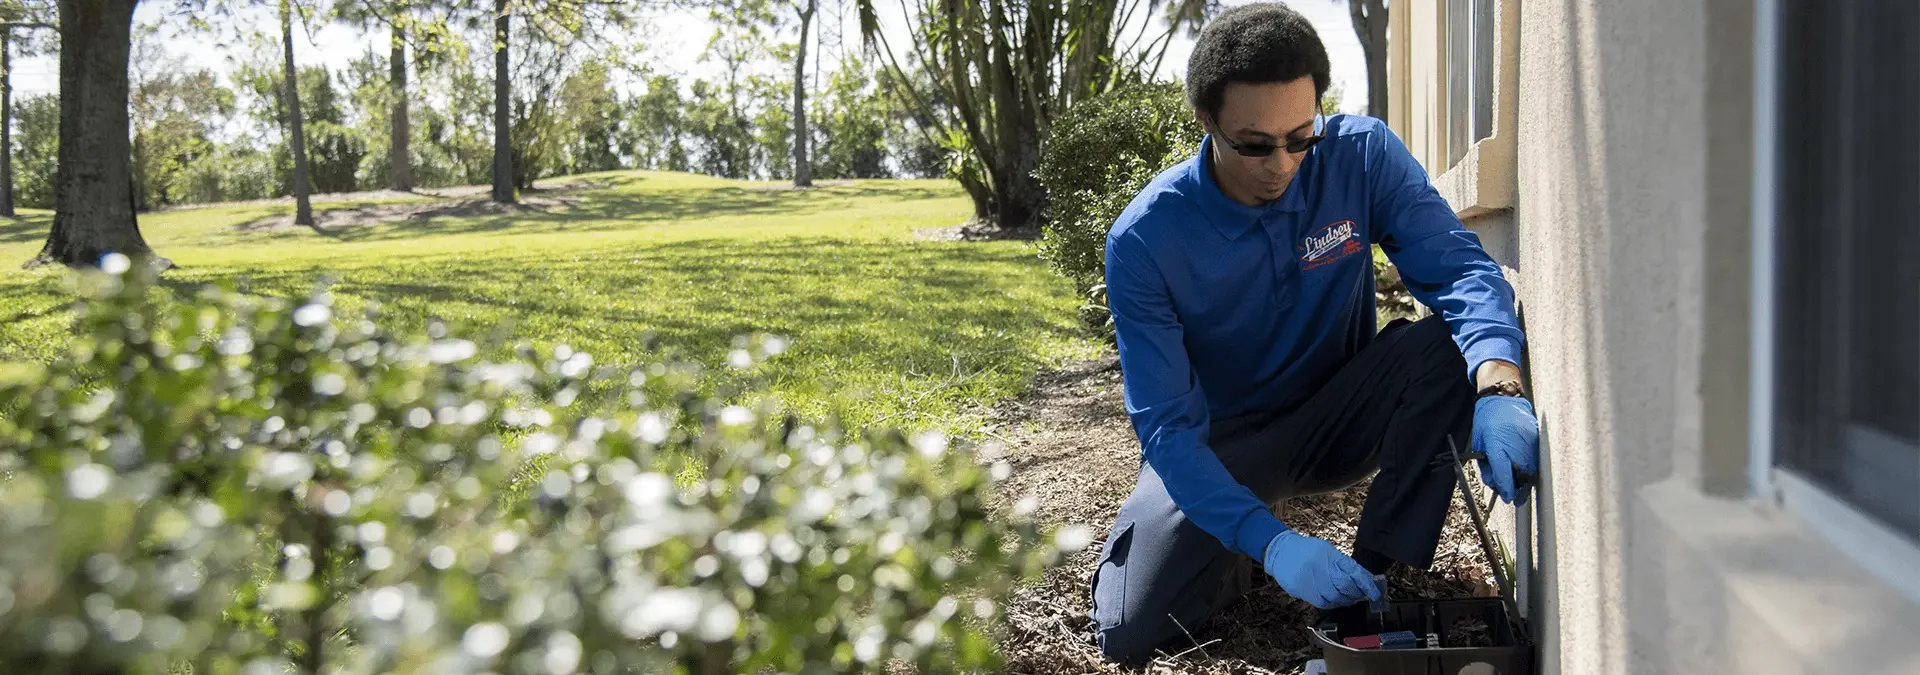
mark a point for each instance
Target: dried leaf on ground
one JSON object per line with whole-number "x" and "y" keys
{"x": 1074, "y": 460}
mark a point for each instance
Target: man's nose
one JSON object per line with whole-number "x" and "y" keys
{"x": 1285, "y": 162}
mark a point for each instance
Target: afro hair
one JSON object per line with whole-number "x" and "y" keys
{"x": 1254, "y": 44}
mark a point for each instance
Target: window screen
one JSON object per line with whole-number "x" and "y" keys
{"x": 1469, "y": 75}
{"x": 1848, "y": 253}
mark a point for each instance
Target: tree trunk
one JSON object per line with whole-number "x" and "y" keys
{"x": 399, "y": 157}
{"x": 1370, "y": 26}
{"x": 502, "y": 134}
{"x": 6, "y": 123}
{"x": 1019, "y": 195}
{"x": 93, "y": 184}
{"x": 802, "y": 167}
{"x": 303, "y": 207}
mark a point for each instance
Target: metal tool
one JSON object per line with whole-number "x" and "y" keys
{"x": 1480, "y": 528}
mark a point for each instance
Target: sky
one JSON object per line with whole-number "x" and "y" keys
{"x": 676, "y": 40}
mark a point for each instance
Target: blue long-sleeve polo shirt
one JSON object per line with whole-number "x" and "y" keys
{"x": 1223, "y": 309}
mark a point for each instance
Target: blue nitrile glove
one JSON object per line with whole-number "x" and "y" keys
{"x": 1313, "y": 570}
{"x": 1507, "y": 436}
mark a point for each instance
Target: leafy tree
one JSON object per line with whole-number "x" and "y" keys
{"x": 719, "y": 118}
{"x": 175, "y": 116}
{"x": 656, "y": 126}
{"x": 774, "y": 126}
{"x": 233, "y": 171}
{"x": 724, "y": 136}
{"x": 854, "y": 124}
{"x": 456, "y": 146}
{"x": 593, "y": 114}
{"x": 556, "y": 22}
{"x": 93, "y": 195}
{"x": 336, "y": 151}
{"x": 35, "y": 157}
{"x": 795, "y": 157}
{"x": 421, "y": 25}
{"x": 914, "y": 132}
{"x": 1005, "y": 68}
{"x": 25, "y": 26}
{"x": 538, "y": 131}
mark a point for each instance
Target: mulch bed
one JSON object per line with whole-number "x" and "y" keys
{"x": 976, "y": 230}
{"x": 1072, "y": 448}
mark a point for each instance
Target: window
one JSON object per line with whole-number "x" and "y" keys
{"x": 1469, "y": 75}
{"x": 1453, "y": 71}
{"x": 1846, "y": 255}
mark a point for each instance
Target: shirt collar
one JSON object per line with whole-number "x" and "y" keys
{"x": 1233, "y": 218}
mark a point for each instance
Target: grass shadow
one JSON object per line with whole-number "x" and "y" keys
{"x": 25, "y": 228}
{"x": 562, "y": 210}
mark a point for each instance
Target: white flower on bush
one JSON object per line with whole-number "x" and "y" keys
{"x": 718, "y": 621}
{"x": 115, "y": 263}
{"x": 866, "y": 647}
{"x": 540, "y": 443}
{"x": 931, "y": 444}
{"x": 1073, "y": 538}
{"x": 284, "y": 470}
{"x": 563, "y": 653}
{"x": 89, "y": 481}
{"x": 649, "y": 492}
{"x": 451, "y": 351}
{"x": 651, "y": 428}
{"x": 386, "y": 603}
{"x": 485, "y": 640}
{"x": 576, "y": 365}
{"x": 312, "y": 314}
{"x": 661, "y": 610}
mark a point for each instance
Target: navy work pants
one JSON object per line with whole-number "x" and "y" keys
{"x": 1389, "y": 409}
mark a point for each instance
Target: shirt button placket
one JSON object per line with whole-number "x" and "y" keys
{"x": 1280, "y": 251}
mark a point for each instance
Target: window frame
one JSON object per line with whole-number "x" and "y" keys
{"x": 1479, "y": 177}
{"x": 1879, "y": 548}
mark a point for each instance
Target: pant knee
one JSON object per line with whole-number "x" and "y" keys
{"x": 1129, "y": 643}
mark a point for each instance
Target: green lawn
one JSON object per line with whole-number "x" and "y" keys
{"x": 884, "y": 327}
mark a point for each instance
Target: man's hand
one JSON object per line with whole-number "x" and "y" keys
{"x": 1313, "y": 570}
{"x": 1507, "y": 436}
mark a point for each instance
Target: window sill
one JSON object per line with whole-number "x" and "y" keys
{"x": 1482, "y": 181}
{"x": 1746, "y": 587}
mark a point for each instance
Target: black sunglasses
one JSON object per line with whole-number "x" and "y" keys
{"x": 1293, "y": 145}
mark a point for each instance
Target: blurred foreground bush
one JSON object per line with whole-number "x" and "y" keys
{"x": 239, "y": 485}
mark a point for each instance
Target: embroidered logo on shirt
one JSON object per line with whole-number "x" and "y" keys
{"x": 1330, "y": 243}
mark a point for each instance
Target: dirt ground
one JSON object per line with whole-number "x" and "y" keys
{"x": 1071, "y": 447}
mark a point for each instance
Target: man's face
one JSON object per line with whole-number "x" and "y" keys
{"x": 1268, "y": 114}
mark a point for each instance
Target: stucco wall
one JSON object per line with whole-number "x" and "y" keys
{"x": 1610, "y": 232}
{"x": 1633, "y": 159}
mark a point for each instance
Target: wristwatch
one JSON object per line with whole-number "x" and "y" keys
{"x": 1501, "y": 388}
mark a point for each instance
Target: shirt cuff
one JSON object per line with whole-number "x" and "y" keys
{"x": 1256, "y": 531}
{"x": 1491, "y": 348}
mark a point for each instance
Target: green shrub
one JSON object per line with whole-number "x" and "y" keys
{"x": 230, "y": 484}
{"x": 1099, "y": 154}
